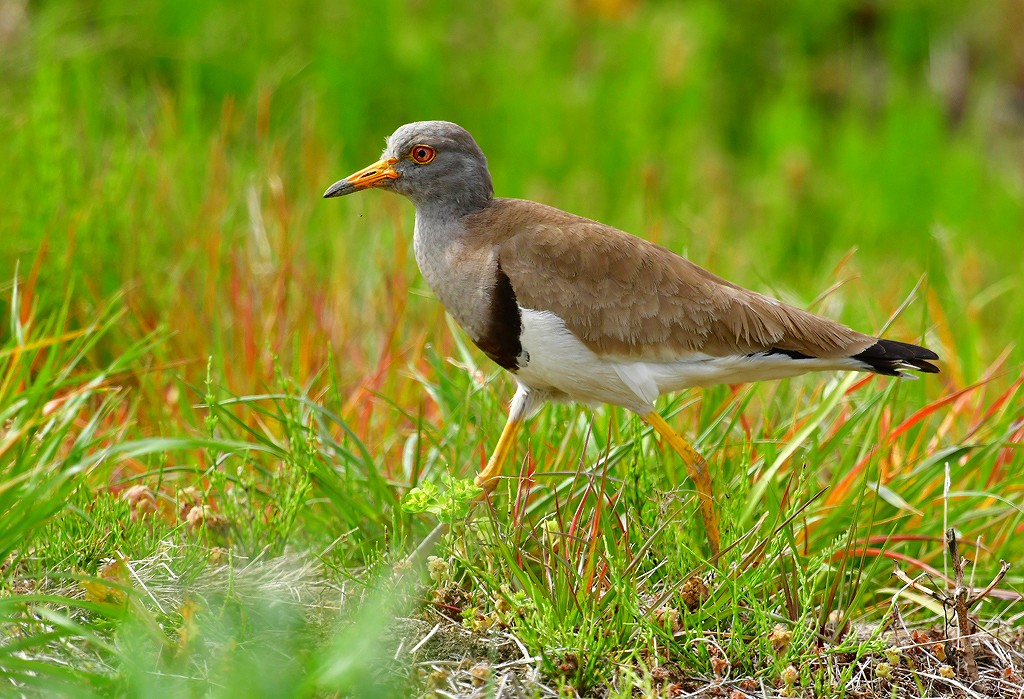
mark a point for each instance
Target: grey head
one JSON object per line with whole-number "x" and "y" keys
{"x": 435, "y": 164}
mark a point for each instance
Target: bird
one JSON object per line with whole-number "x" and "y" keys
{"x": 577, "y": 310}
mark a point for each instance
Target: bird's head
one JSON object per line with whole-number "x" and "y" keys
{"x": 433, "y": 163}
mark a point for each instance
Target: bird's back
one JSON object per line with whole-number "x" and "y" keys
{"x": 625, "y": 297}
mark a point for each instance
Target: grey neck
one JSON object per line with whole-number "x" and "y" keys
{"x": 454, "y": 264}
{"x": 462, "y": 187}
{"x": 451, "y": 207}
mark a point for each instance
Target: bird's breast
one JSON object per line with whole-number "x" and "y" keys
{"x": 471, "y": 285}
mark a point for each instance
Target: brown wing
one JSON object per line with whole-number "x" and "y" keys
{"x": 627, "y": 297}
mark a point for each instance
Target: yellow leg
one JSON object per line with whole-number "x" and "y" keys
{"x": 697, "y": 468}
{"x": 488, "y": 478}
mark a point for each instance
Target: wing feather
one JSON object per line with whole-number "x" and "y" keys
{"x": 627, "y": 297}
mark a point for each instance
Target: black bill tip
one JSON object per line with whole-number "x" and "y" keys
{"x": 339, "y": 189}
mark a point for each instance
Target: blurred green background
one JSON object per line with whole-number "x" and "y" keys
{"x": 862, "y": 158}
{"x": 765, "y": 140}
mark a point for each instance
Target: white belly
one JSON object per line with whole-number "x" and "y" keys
{"x": 556, "y": 363}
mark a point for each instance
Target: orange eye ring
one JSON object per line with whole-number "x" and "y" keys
{"x": 422, "y": 154}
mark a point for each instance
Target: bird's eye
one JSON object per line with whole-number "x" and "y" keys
{"x": 422, "y": 154}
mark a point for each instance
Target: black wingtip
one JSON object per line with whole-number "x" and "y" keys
{"x": 891, "y": 358}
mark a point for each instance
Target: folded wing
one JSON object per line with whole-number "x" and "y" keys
{"x": 626, "y": 297}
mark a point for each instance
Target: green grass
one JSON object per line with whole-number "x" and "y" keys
{"x": 216, "y": 388}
